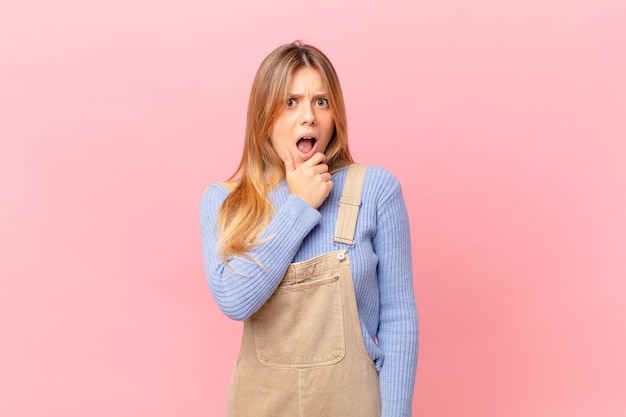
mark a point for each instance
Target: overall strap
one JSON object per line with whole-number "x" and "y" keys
{"x": 349, "y": 204}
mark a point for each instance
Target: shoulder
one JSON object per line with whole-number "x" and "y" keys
{"x": 374, "y": 174}
{"x": 216, "y": 189}
{"x": 380, "y": 174}
{"x": 215, "y": 194}
{"x": 380, "y": 182}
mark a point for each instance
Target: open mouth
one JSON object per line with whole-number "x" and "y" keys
{"x": 306, "y": 143}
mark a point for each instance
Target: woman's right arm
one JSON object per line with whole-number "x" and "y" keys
{"x": 240, "y": 286}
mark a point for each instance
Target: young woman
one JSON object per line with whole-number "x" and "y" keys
{"x": 312, "y": 252}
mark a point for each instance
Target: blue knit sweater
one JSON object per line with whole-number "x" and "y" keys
{"x": 380, "y": 261}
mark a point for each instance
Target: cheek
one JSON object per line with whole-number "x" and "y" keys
{"x": 275, "y": 135}
{"x": 279, "y": 130}
{"x": 331, "y": 127}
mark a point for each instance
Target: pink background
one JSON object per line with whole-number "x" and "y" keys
{"x": 504, "y": 120}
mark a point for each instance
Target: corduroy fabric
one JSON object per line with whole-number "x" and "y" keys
{"x": 302, "y": 353}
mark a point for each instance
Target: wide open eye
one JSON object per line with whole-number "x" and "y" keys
{"x": 291, "y": 102}
{"x": 321, "y": 102}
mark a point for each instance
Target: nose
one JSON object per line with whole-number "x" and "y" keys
{"x": 308, "y": 114}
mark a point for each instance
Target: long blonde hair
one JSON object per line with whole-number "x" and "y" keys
{"x": 246, "y": 210}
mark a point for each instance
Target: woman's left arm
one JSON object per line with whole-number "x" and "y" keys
{"x": 398, "y": 326}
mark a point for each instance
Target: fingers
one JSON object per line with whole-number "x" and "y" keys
{"x": 316, "y": 159}
{"x": 311, "y": 180}
{"x": 290, "y": 164}
{"x": 321, "y": 168}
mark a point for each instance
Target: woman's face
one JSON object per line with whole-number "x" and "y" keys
{"x": 305, "y": 124}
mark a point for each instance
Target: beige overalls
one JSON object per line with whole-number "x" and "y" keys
{"x": 302, "y": 352}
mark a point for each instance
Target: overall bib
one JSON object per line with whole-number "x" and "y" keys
{"x": 302, "y": 352}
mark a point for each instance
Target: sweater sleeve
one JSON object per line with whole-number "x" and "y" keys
{"x": 398, "y": 325}
{"x": 241, "y": 287}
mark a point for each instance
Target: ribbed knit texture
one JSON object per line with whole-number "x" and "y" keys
{"x": 380, "y": 261}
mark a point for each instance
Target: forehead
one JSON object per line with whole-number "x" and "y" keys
{"x": 306, "y": 79}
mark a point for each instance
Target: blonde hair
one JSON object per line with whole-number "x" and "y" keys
{"x": 246, "y": 211}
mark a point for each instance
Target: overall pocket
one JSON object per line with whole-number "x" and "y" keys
{"x": 301, "y": 325}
